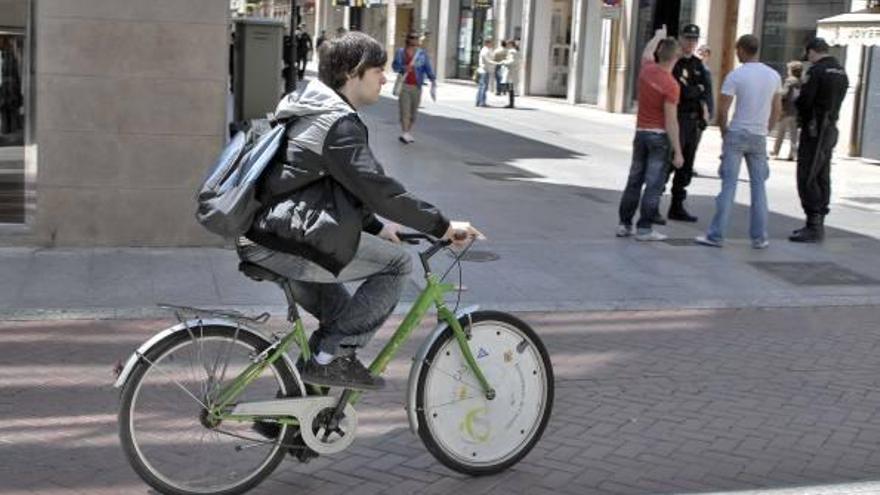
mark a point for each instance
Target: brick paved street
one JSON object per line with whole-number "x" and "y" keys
{"x": 647, "y": 402}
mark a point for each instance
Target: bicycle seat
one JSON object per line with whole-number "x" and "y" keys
{"x": 258, "y": 273}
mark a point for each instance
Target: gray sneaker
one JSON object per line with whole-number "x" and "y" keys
{"x": 651, "y": 235}
{"x": 705, "y": 241}
{"x": 624, "y": 230}
{"x": 343, "y": 371}
{"x": 760, "y": 243}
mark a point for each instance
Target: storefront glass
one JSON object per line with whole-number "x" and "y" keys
{"x": 14, "y": 125}
{"x": 476, "y": 23}
{"x": 650, "y": 16}
{"x": 789, "y": 24}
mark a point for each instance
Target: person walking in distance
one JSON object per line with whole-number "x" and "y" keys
{"x": 303, "y": 50}
{"x": 656, "y": 133}
{"x": 485, "y": 65}
{"x": 693, "y": 114}
{"x": 818, "y": 107}
{"x": 755, "y": 87}
{"x": 414, "y": 66}
{"x": 791, "y": 89}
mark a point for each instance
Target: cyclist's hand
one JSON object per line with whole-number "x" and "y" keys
{"x": 460, "y": 233}
{"x": 389, "y": 232}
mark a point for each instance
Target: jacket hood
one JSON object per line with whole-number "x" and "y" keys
{"x": 317, "y": 98}
{"x": 315, "y": 109}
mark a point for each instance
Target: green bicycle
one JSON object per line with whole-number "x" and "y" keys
{"x": 212, "y": 406}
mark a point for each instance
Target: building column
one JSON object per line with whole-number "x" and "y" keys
{"x": 447, "y": 38}
{"x": 622, "y": 33}
{"x": 536, "y": 43}
{"x": 587, "y": 52}
{"x": 502, "y": 20}
{"x": 578, "y": 52}
{"x": 715, "y": 18}
{"x": 429, "y": 22}
{"x": 390, "y": 31}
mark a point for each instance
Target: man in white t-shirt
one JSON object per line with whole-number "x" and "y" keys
{"x": 758, "y": 104}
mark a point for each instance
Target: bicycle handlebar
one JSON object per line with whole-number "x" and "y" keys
{"x": 417, "y": 237}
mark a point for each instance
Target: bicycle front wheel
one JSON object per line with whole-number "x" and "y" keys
{"x": 164, "y": 428}
{"x": 459, "y": 426}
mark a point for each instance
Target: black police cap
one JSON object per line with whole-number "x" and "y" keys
{"x": 817, "y": 44}
{"x": 690, "y": 31}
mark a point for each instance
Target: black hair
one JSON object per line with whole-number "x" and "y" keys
{"x": 349, "y": 55}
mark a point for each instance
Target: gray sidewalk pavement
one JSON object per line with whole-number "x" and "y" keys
{"x": 769, "y": 401}
{"x": 543, "y": 182}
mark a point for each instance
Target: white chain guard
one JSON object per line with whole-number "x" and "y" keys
{"x": 306, "y": 409}
{"x": 337, "y": 443}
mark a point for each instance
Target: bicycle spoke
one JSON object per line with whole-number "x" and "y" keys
{"x": 226, "y": 362}
{"x": 168, "y": 375}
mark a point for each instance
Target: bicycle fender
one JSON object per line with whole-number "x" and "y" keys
{"x": 419, "y": 363}
{"x": 193, "y": 324}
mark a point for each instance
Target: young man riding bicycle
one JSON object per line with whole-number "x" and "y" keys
{"x": 320, "y": 227}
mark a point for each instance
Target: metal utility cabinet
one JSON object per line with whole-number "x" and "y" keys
{"x": 257, "y": 53}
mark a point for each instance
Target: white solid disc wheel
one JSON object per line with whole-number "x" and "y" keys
{"x": 475, "y": 434}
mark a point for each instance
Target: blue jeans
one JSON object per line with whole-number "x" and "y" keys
{"x": 649, "y": 159}
{"x": 753, "y": 147}
{"x": 482, "y": 87}
{"x": 345, "y": 319}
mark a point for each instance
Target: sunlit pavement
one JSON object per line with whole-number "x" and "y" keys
{"x": 783, "y": 401}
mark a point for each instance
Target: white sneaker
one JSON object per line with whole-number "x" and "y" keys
{"x": 624, "y": 230}
{"x": 705, "y": 241}
{"x": 408, "y": 137}
{"x": 651, "y": 235}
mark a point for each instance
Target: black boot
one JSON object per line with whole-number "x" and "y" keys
{"x": 813, "y": 232}
{"x": 678, "y": 212}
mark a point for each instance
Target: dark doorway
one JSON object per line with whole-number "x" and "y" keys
{"x": 13, "y": 66}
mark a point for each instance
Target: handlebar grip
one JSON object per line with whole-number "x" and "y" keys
{"x": 413, "y": 237}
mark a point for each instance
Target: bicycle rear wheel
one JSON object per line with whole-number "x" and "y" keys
{"x": 459, "y": 426}
{"x": 165, "y": 432}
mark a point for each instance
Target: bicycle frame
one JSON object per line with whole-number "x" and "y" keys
{"x": 433, "y": 294}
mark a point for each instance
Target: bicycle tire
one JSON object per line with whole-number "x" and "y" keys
{"x": 291, "y": 387}
{"x": 477, "y": 324}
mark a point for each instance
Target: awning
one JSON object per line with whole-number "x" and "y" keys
{"x": 860, "y": 28}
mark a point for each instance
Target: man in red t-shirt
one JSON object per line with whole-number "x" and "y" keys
{"x": 656, "y": 133}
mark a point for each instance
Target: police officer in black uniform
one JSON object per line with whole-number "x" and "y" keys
{"x": 818, "y": 108}
{"x": 692, "y": 115}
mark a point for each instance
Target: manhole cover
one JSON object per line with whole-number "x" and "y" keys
{"x": 868, "y": 200}
{"x": 680, "y": 242}
{"x": 503, "y": 176}
{"x": 478, "y": 256}
{"x": 594, "y": 197}
{"x": 481, "y": 164}
{"x": 813, "y": 273}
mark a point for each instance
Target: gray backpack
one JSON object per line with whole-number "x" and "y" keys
{"x": 227, "y": 199}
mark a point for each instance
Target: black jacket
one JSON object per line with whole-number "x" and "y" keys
{"x": 692, "y": 78}
{"x": 822, "y": 92}
{"x": 329, "y": 186}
